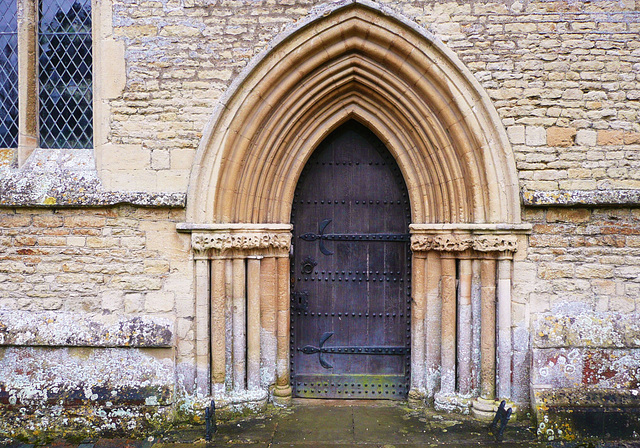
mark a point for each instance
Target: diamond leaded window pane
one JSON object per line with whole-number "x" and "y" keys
{"x": 8, "y": 74}
{"x": 65, "y": 67}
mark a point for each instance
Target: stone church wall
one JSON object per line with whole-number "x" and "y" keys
{"x": 564, "y": 77}
{"x": 95, "y": 314}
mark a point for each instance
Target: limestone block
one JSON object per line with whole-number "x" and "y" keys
{"x": 180, "y": 31}
{"x": 535, "y": 136}
{"x": 594, "y": 271}
{"x": 557, "y": 136}
{"x": 130, "y": 180}
{"x": 77, "y": 241}
{"x": 84, "y": 221}
{"x": 156, "y": 266}
{"x": 160, "y": 159}
{"x": 159, "y": 301}
{"x": 125, "y": 157}
{"x": 133, "y": 303}
{"x": 111, "y": 79}
{"x": 173, "y": 180}
{"x": 182, "y": 159}
{"x": 608, "y": 138}
{"x": 579, "y": 215}
{"x": 112, "y": 301}
{"x": 136, "y": 31}
{"x": 516, "y": 134}
{"x": 631, "y": 138}
{"x": 549, "y": 271}
{"x": 47, "y": 221}
{"x": 622, "y": 304}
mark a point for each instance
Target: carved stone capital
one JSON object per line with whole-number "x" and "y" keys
{"x": 495, "y": 243}
{"x": 240, "y": 241}
{"x": 443, "y": 243}
{"x": 459, "y": 243}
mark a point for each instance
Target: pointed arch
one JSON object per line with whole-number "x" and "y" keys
{"x": 356, "y": 62}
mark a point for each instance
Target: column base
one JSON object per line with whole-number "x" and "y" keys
{"x": 416, "y": 398}
{"x": 452, "y": 403}
{"x": 282, "y": 395}
{"x": 485, "y": 409}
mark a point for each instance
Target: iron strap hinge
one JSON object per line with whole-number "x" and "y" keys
{"x": 321, "y": 236}
{"x": 355, "y": 350}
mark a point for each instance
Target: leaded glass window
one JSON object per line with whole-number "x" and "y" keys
{"x": 8, "y": 74}
{"x": 65, "y": 74}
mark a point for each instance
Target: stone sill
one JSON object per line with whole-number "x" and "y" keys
{"x": 589, "y": 198}
{"x": 96, "y": 199}
{"x": 63, "y": 329}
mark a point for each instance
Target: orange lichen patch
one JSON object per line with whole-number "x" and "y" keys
{"x": 7, "y": 156}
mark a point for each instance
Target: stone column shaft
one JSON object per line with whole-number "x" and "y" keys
{"x": 228, "y": 323}
{"x": 504, "y": 328}
{"x": 464, "y": 326}
{"x": 487, "y": 330}
{"x": 417, "y": 327}
{"x": 432, "y": 323}
{"x": 282, "y": 391}
{"x": 218, "y": 330}
{"x": 202, "y": 326}
{"x": 268, "y": 310}
{"x": 476, "y": 310}
{"x": 239, "y": 319}
{"x": 253, "y": 323}
{"x": 448, "y": 343}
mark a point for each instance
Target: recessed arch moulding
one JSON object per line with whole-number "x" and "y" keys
{"x": 356, "y": 62}
{"x": 352, "y": 61}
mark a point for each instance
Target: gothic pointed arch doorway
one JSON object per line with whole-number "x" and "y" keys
{"x": 350, "y": 271}
{"x": 357, "y": 60}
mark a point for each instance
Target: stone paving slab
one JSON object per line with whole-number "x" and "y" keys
{"x": 342, "y": 424}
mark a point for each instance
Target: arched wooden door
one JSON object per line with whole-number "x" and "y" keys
{"x": 350, "y": 273}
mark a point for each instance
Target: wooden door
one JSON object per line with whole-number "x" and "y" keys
{"x": 350, "y": 272}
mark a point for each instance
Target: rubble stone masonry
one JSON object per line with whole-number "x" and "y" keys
{"x": 564, "y": 77}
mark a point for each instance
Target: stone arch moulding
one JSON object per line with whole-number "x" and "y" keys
{"x": 353, "y": 60}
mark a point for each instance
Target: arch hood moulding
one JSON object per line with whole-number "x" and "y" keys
{"x": 358, "y": 61}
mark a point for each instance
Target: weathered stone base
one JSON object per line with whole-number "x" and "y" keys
{"x": 485, "y": 410}
{"x": 452, "y": 403}
{"x": 572, "y": 415}
{"x": 42, "y": 424}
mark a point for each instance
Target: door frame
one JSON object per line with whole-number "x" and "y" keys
{"x": 369, "y": 385}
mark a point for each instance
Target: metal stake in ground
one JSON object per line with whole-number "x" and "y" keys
{"x": 503, "y": 417}
{"x": 210, "y": 421}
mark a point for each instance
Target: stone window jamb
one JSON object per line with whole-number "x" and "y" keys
{"x": 28, "y": 88}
